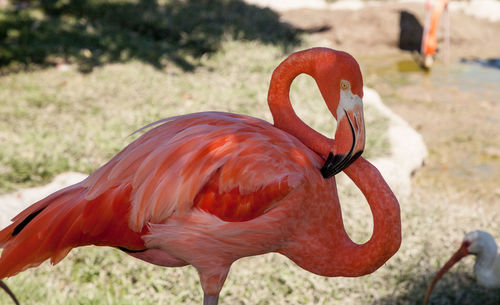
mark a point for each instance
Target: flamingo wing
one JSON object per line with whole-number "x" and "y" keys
{"x": 233, "y": 166}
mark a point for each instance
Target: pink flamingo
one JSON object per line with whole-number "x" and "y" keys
{"x": 206, "y": 189}
{"x": 429, "y": 38}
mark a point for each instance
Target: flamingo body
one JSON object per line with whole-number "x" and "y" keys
{"x": 206, "y": 189}
{"x": 434, "y": 10}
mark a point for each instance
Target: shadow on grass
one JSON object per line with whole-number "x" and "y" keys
{"x": 94, "y": 32}
{"x": 453, "y": 289}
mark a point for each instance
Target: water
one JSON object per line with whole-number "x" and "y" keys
{"x": 472, "y": 145}
{"x": 476, "y": 76}
{"x": 405, "y": 66}
{"x": 481, "y": 77}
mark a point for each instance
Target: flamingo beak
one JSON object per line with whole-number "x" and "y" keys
{"x": 461, "y": 252}
{"x": 349, "y": 139}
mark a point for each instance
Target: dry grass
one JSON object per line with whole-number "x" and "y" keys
{"x": 106, "y": 276}
{"x": 54, "y": 121}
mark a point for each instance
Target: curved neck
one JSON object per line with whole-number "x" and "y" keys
{"x": 386, "y": 237}
{"x": 324, "y": 247}
{"x": 485, "y": 259}
{"x": 278, "y": 98}
{"x": 487, "y": 270}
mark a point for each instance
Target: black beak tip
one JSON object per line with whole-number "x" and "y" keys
{"x": 334, "y": 164}
{"x": 329, "y": 168}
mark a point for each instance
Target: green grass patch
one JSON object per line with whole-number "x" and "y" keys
{"x": 53, "y": 121}
{"x": 91, "y": 33}
{"x": 92, "y": 275}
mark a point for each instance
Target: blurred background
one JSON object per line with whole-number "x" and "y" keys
{"x": 78, "y": 76}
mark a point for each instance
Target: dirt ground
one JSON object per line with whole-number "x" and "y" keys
{"x": 460, "y": 127}
{"x": 375, "y": 29}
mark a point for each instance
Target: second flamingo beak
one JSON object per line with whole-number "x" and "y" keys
{"x": 349, "y": 140}
{"x": 461, "y": 252}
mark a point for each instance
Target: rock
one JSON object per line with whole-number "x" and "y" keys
{"x": 13, "y": 203}
{"x": 408, "y": 150}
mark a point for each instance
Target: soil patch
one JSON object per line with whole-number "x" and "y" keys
{"x": 459, "y": 126}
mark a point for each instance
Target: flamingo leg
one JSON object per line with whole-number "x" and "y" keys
{"x": 210, "y": 299}
{"x": 10, "y": 293}
{"x": 447, "y": 33}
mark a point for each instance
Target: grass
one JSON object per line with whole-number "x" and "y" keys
{"x": 91, "y": 33}
{"x": 93, "y": 275}
{"x": 58, "y": 121}
{"x": 53, "y": 121}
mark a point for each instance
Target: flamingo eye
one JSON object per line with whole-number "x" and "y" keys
{"x": 467, "y": 243}
{"x": 344, "y": 85}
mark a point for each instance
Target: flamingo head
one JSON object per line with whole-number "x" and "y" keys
{"x": 474, "y": 243}
{"x": 341, "y": 84}
{"x": 339, "y": 80}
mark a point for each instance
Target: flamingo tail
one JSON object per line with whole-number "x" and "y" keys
{"x": 53, "y": 226}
